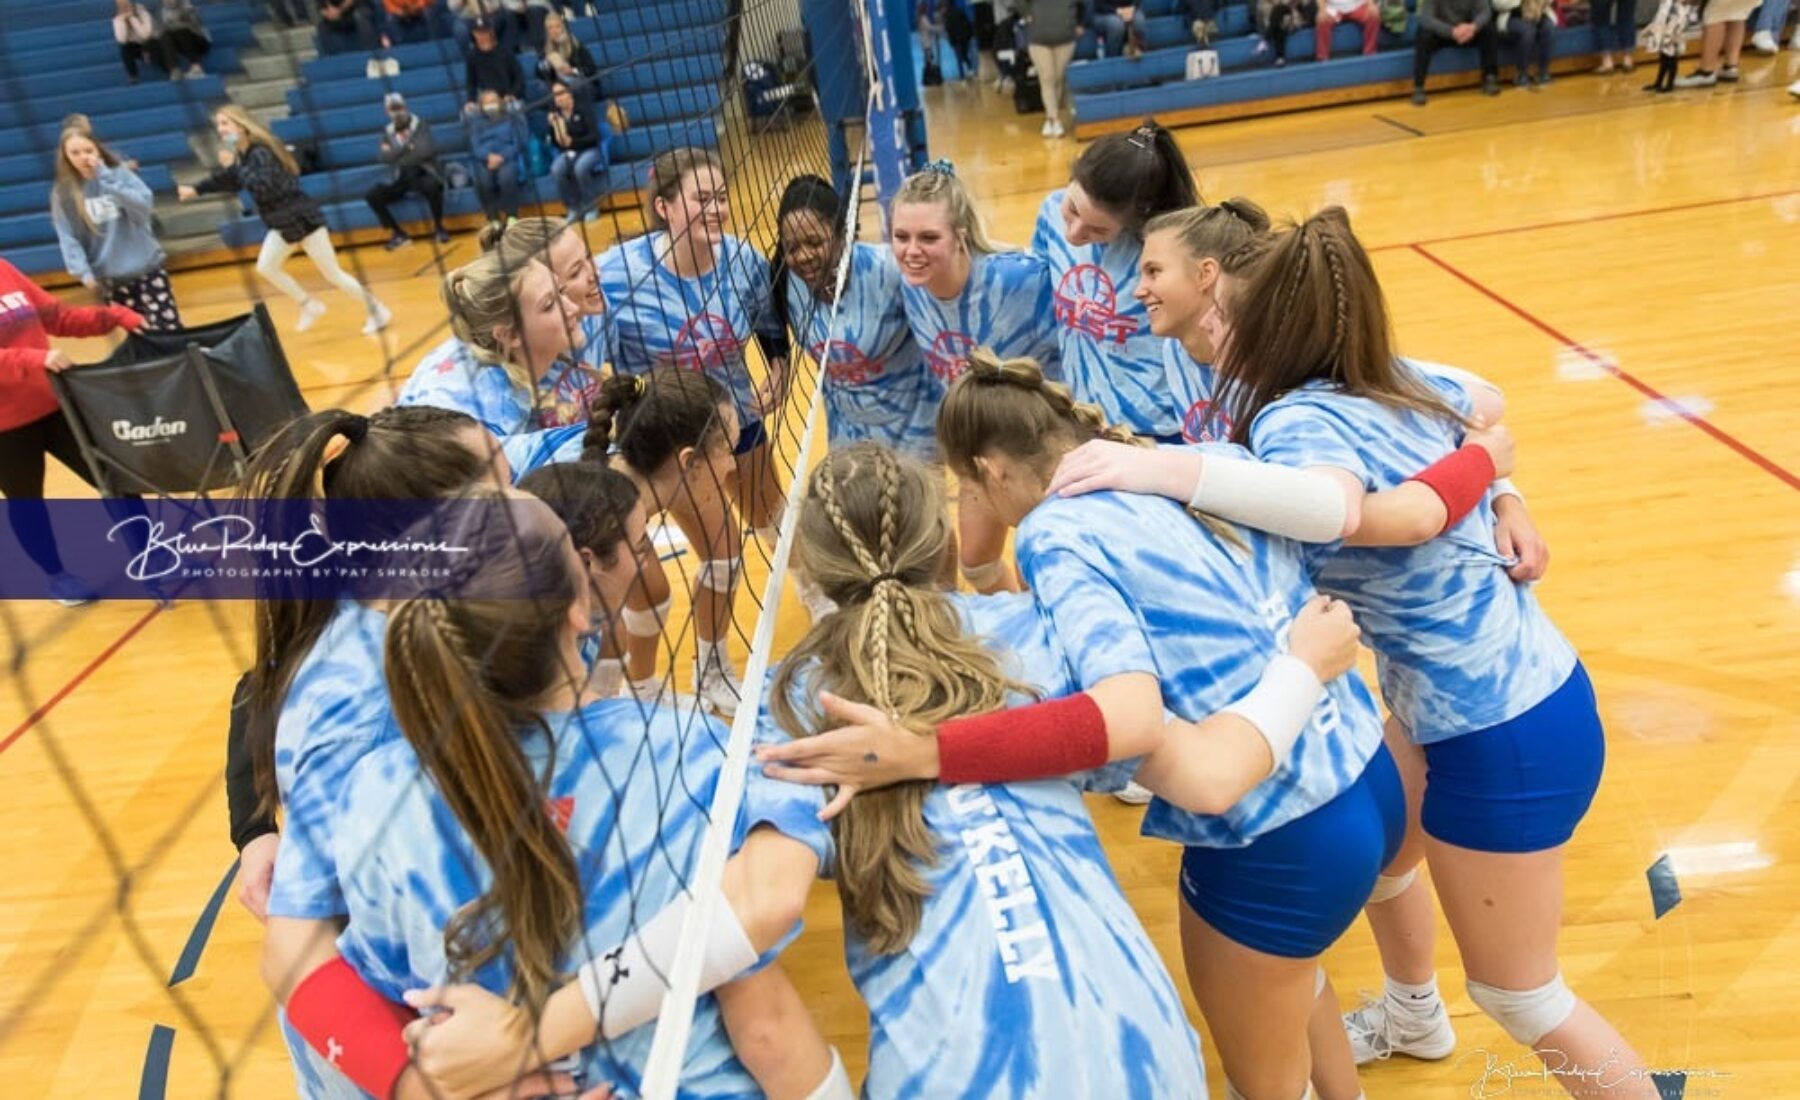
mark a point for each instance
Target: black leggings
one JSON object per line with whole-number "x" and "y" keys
{"x": 22, "y": 452}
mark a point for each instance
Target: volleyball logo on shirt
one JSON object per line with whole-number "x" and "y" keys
{"x": 1087, "y": 301}
{"x": 845, "y": 363}
{"x": 561, "y": 811}
{"x": 1203, "y": 424}
{"x": 948, "y": 355}
{"x": 707, "y": 343}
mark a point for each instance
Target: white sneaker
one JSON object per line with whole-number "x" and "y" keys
{"x": 1378, "y": 1030}
{"x": 1049, "y": 129}
{"x": 1794, "y": 42}
{"x": 1764, "y": 42}
{"x": 1134, "y": 795}
{"x": 378, "y": 320}
{"x": 1697, "y": 80}
{"x": 1794, "y": 88}
{"x": 310, "y": 313}
{"x": 718, "y": 687}
{"x": 1056, "y": 128}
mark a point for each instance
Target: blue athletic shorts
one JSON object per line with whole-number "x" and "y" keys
{"x": 1523, "y": 785}
{"x": 750, "y": 437}
{"x": 1292, "y": 891}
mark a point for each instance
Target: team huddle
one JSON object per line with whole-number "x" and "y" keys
{"x": 1217, "y": 476}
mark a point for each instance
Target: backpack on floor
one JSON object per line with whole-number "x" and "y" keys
{"x": 934, "y": 73}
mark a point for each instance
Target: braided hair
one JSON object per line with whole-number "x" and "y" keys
{"x": 1310, "y": 308}
{"x": 872, "y": 531}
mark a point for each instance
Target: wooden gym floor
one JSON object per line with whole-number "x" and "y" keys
{"x": 1626, "y": 266}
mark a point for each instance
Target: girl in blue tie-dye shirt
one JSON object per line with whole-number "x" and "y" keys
{"x": 876, "y": 383}
{"x": 963, "y": 293}
{"x": 1092, "y": 234}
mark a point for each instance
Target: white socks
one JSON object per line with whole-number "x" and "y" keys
{"x": 1420, "y": 1000}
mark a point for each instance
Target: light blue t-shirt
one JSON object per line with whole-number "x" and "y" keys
{"x": 1005, "y": 306}
{"x": 1459, "y": 646}
{"x": 1030, "y": 976}
{"x": 533, "y": 428}
{"x": 1191, "y": 386}
{"x": 656, "y": 318}
{"x": 629, "y": 786}
{"x": 1134, "y": 584}
{"x": 1110, "y": 356}
{"x": 876, "y": 384}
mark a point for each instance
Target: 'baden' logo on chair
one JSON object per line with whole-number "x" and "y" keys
{"x": 148, "y": 433}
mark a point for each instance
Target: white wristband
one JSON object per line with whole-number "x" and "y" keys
{"x": 624, "y": 987}
{"x": 1297, "y": 504}
{"x": 836, "y": 1085}
{"x": 1281, "y": 703}
{"x": 1503, "y": 487}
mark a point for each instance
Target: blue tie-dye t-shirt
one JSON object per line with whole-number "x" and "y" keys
{"x": 1134, "y": 584}
{"x": 876, "y": 384}
{"x": 1110, "y": 357}
{"x": 532, "y": 429}
{"x": 1030, "y": 976}
{"x": 656, "y": 318}
{"x": 1005, "y": 306}
{"x": 1458, "y": 645}
{"x": 629, "y": 786}
{"x": 1192, "y": 384}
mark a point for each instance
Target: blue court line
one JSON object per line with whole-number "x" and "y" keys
{"x": 155, "y": 1081}
{"x": 1665, "y": 892}
{"x": 190, "y": 955}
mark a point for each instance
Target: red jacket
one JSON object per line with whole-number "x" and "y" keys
{"x": 29, "y": 316}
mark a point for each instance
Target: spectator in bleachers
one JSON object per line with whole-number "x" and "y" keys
{"x": 185, "y": 34}
{"x": 497, "y": 137}
{"x": 135, "y": 30}
{"x": 581, "y": 137}
{"x": 1120, "y": 27}
{"x": 1530, "y": 25}
{"x": 1721, "y": 43}
{"x": 103, "y": 215}
{"x": 1333, "y": 12}
{"x": 1615, "y": 31}
{"x": 1051, "y": 27}
{"x": 527, "y": 18}
{"x": 490, "y": 67}
{"x": 1276, "y": 19}
{"x": 407, "y": 147}
{"x": 254, "y": 160}
{"x": 289, "y": 13}
{"x": 408, "y": 21}
{"x": 343, "y": 27}
{"x": 1454, "y": 24}
{"x": 466, "y": 13}
{"x": 563, "y": 57}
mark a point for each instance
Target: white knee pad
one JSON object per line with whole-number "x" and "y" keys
{"x": 836, "y": 1085}
{"x": 646, "y": 623}
{"x": 1318, "y": 980}
{"x": 719, "y": 574}
{"x": 985, "y": 575}
{"x": 1389, "y": 887}
{"x": 1529, "y": 1015}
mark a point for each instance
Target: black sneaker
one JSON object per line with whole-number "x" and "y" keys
{"x": 1490, "y": 85}
{"x": 443, "y": 235}
{"x": 398, "y": 240}
{"x": 1418, "y": 97}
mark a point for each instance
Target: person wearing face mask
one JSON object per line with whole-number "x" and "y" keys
{"x": 253, "y": 159}
{"x": 497, "y": 138}
{"x": 1092, "y": 234}
{"x": 102, "y": 213}
{"x": 408, "y": 148}
{"x": 876, "y": 383}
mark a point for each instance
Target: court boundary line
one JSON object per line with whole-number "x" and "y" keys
{"x": 1719, "y": 434}
{"x": 1564, "y": 223}
{"x": 48, "y": 705}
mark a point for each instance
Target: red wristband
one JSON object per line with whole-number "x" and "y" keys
{"x": 1460, "y": 480}
{"x": 1059, "y": 737}
{"x": 357, "y": 1029}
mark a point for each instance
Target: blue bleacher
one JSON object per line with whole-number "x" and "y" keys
{"x": 1261, "y": 84}
{"x": 122, "y": 125}
{"x": 223, "y": 22}
{"x": 40, "y": 166}
{"x": 72, "y": 50}
{"x": 34, "y": 196}
{"x": 444, "y": 109}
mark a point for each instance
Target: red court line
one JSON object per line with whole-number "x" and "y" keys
{"x": 1676, "y": 208}
{"x": 1790, "y": 479}
{"x": 63, "y": 692}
